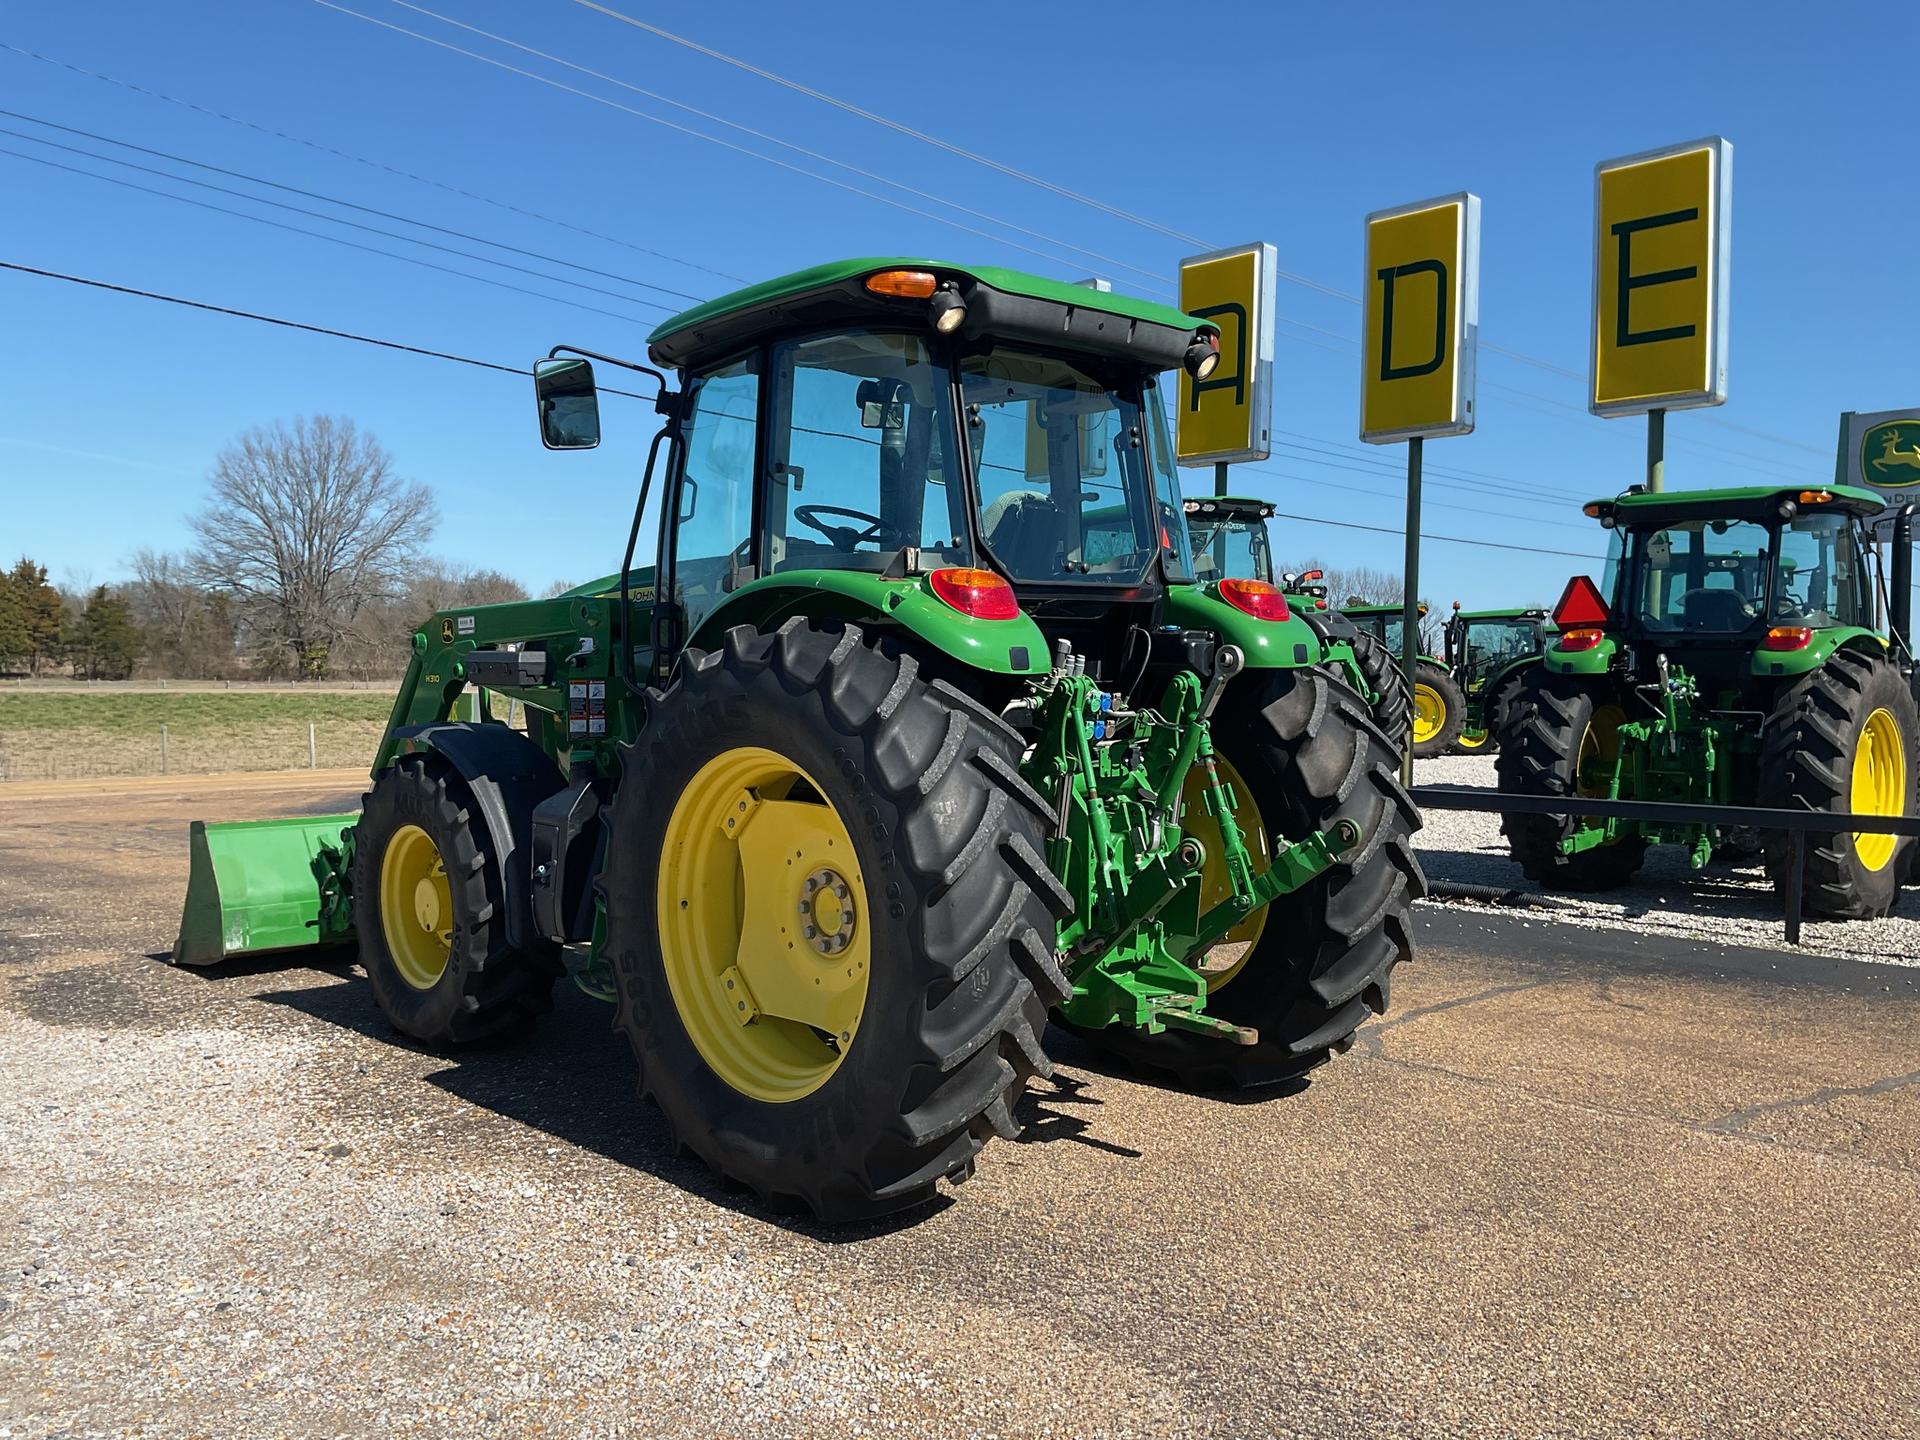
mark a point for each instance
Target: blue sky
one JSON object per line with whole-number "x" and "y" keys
{"x": 1274, "y": 122}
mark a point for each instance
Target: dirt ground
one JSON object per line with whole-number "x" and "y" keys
{"x": 1571, "y": 1186}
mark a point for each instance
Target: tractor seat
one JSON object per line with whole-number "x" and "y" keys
{"x": 1022, "y": 529}
{"x": 1712, "y": 609}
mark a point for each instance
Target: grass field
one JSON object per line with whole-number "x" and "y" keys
{"x": 68, "y": 734}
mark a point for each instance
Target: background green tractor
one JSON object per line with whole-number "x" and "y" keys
{"x": 1488, "y": 655}
{"x": 921, "y": 724}
{"x": 1733, "y": 655}
{"x": 1229, "y": 538}
{"x": 1439, "y": 707}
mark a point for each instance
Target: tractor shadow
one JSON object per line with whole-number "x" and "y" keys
{"x": 572, "y": 1078}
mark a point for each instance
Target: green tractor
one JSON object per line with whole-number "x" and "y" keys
{"x": 1439, "y": 707}
{"x": 899, "y": 744}
{"x": 1229, "y": 537}
{"x": 1733, "y": 656}
{"x": 1488, "y": 654}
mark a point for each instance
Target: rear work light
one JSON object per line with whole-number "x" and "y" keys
{"x": 1787, "y": 637}
{"x": 1255, "y": 597}
{"x": 983, "y": 594}
{"x": 1576, "y": 640}
{"x": 1580, "y": 605}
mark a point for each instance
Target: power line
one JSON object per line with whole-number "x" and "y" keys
{"x": 380, "y": 165}
{"x": 1079, "y": 198}
{"x": 469, "y": 360}
{"x": 1424, "y": 536}
{"x": 331, "y": 239}
{"x": 687, "y": 130}
{"x": 331, "y": 219}
{"x": 709, "y": 115}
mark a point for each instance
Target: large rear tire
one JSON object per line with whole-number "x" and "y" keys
{"x": 430, "y": 913}
{"x": 1392, "y": 709}
{"x": 1841, "y": 738}
{"x": 858, "y": 1093}
{"x": 1556, "y": 724}
{"x": 1308, "y": 752}
{"x": 1439, "y": 710}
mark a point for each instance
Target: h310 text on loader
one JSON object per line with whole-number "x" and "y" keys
{"x": 900, "y": 742}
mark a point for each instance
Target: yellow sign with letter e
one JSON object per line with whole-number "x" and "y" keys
{"x": 1660, "y": 279}
{"x": 1422, "y": 320}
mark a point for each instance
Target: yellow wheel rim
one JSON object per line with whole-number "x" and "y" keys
{"x": 416, "y": 907}
{"x": 1225, "y": 958}
{"x": 1469, "y": 741}
{"x": 765, "y": 931}
{"x": 1429, "y": 712}
{"x": 1879, "y": 784}
{"x": 1599, "y": 749}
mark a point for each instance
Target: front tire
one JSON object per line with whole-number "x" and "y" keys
{"x": 948, "y": 906}
{"x": 1392, "y": 709}
{"x": 430, "y": 913}
{"x": 1841, "y": 738}
{"x": 1556, "y": 725}
{"x": 1308, "y": 752}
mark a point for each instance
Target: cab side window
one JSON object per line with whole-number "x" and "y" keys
{"x": 714, "y": 527}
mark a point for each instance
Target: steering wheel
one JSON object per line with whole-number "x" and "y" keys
{"x": 841, "y": 537}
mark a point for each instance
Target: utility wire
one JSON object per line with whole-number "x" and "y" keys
{"x": 688, "y": 130}
{"x": 709, "y": 115}
{"x": 514, "y": 370}
{"x": 346, "y": 205}
{"x": 322, "y": 216}
{"x": 380, "y": 165}
{"x": 331, "y": 239}
{"x": 469, "y": 360}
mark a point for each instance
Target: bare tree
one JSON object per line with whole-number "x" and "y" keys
{"x": 308, "y": 529}
{"x": 189, "y": 630}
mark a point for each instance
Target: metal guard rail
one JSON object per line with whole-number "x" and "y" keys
{"x": 1797, "y": 823}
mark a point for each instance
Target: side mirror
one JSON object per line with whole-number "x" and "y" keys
{"x": 569, "y": 405}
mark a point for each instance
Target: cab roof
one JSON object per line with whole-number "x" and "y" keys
{"x": 998, "y": 301}
{"x": 1531, "y": 612}
{"x": 1638, "y": 507}
{"x": 1232, "y": 507}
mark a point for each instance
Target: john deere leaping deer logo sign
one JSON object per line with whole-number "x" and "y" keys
{"x": 1890, "y": 454}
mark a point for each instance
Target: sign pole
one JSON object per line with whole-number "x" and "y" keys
{"x": 1410, "y": 599}
{"x": 1220, "y": 478}
{"x": 1656, "y": 450}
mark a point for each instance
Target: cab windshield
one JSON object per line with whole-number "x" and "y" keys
{"x": 1230, "y": 547}
{"x": 1726, "y": 577}
{"x": 1074, "y": 471}
{"x": 1483, "y": 646}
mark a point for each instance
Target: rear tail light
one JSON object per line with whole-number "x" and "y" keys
{"x": 1787, "y": 637}
{"x": 983, "y": 594}
{"x": 1256, "y": 598}
{"x": 1576, "y": 640}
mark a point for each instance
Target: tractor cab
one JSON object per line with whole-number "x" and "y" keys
{"x": 900, "y": 431}
{"x": 1229, "y": 537}
{"x": 1741, "y": 580}
{"x": 1487, "y": 653}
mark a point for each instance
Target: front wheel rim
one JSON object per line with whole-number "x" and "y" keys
{"x": 1879, "y": 785}
{"x": 1429, "y": 712}
{"x": 416, "y": 907}
{"x": 765, "y": 930}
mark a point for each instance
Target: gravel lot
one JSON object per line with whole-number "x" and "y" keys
{"x": 1568, "y": 1188}
{"x": 1723, "y": 903}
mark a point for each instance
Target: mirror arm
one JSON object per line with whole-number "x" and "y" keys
{"x": 659, "y": 379}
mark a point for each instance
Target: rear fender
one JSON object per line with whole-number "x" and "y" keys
{"x": 1268, "y": 644}
{"x": 508, "y": 775}
{"x": 1001, "y": 647}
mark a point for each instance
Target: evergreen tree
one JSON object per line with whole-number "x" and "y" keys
{"x": 40, "y": 613}
{"x": 104, "y": 643}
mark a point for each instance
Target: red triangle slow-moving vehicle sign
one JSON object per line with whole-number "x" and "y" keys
{"x": 1580, "y": 604}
